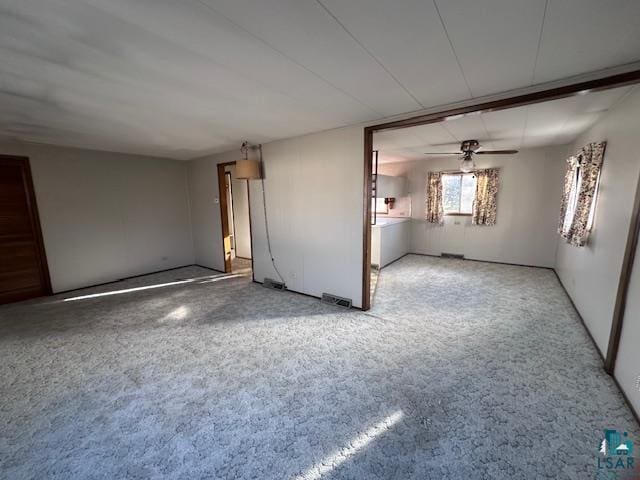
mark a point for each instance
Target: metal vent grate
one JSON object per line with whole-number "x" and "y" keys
{"x": 336, "y": 300}
{"x": 273, "y": 284}
{"x": 452, "y": 255}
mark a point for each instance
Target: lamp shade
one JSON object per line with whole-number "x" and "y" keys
{"x": 247, "y": 169}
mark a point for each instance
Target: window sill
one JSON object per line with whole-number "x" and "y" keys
{"x": 458, "y": 214}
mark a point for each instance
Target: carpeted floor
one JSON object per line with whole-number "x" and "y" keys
{"x": 461, "y": 370}
{"x": 241, "y": 265}
{"x": 373, "y": 283}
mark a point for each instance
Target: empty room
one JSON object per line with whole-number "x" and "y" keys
{"x": 319, "y": 239}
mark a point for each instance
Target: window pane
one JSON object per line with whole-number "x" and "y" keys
{"x": 572, "y": 202}
{"x": 451, "y": 193}
{"x": 468, "y": 193}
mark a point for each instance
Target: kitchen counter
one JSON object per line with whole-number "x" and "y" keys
{"x": 386, "y": 221}
{"x": 389, "y": 240}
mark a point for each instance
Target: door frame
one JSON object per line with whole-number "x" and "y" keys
{"x": 224, "y": 217}
{"x": 232, "y": 223}
{"x": 34, "y": 217}
{"x": 544, "y": 95}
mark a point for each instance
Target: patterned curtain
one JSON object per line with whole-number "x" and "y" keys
{"x": 435, "y": 212}
{"x": 485, "y": 206}
{"x": 580, "y": 192}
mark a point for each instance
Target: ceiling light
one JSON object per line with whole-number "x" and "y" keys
{"x": 467, "y": 165}
{"x": 245, "y": 168}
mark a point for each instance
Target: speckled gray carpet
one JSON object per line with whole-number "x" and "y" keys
{"x": 241, "y": 265}
{"x": 462, "y": 370}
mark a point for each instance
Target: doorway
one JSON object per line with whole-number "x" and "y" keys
{"x": 372, "y": 175}
{"x": 235, "y": 215}
{"x": 24, "y": 266}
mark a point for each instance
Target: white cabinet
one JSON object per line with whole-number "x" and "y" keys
{"x": 389, "y": 240}
{"x": 389, "y": 186}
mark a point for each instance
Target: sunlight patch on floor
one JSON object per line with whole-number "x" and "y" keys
{"x": 179, "y": 313}
{"x": 354, "y": 446}
{"x": 207, "y": 279}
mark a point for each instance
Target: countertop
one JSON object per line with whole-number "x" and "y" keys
{"x": 386, "y": 221}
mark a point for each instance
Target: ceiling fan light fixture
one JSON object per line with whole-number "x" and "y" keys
{"x": 468, "y": 149}
{"x": 467, "y": 165}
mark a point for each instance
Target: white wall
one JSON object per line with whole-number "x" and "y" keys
{"x": 106, "y": 216}
{"x": 528, "y": 206}
{"x": 314, "y": 203}
{"x": 591, "y": 273}
{"x": 205, "y": 210}
{"x": 627, "y": 369}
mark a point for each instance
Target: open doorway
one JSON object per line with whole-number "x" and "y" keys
{"x": 512, "y": 210}
{"x": 236, "y": 220}
{"x": 399, "y": 155}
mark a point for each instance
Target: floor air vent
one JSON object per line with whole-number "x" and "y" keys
{"x": 273, "y": 284}
{"x": 452, "y": 255}
{"x": 336, "y": 300}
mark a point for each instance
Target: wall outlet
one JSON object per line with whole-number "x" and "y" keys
{"x": 293, "y": 275}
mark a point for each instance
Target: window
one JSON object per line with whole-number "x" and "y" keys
{"x": 572, "y": 202}
{"x": 458, "y": 193}
{"x": 580, "y": 193}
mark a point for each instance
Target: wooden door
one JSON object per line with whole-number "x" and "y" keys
{"x": 23, "y": 265}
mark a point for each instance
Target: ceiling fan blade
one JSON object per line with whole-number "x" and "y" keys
{"x": 496, "y": 152}
{"x": 449, "y": 144}
{"x": 442, "y": 153}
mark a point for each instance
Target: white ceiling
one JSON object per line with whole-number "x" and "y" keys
{"x": 182, "y": 79}
{"x": 557, "y": 122}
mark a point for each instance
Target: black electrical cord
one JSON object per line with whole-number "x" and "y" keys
{"x": 266, "y": 222}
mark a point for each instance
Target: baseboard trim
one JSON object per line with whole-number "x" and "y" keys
{"x": 579, "y": 316}
{"x": 393, "y": 261}
{"x": 131, "y": 277}
{"x": 287, "y": 289}
{"x": 479, "y": 260}
{"x": 202, "y": 266}
{"x": 602, "y": 357}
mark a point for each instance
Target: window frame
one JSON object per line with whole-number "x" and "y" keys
{"x": 459, "y": 213}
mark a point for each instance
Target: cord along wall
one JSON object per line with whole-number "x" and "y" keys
{"x": 313, "y": 195}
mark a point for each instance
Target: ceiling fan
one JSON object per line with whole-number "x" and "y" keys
{"x": 469, "y": 148}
